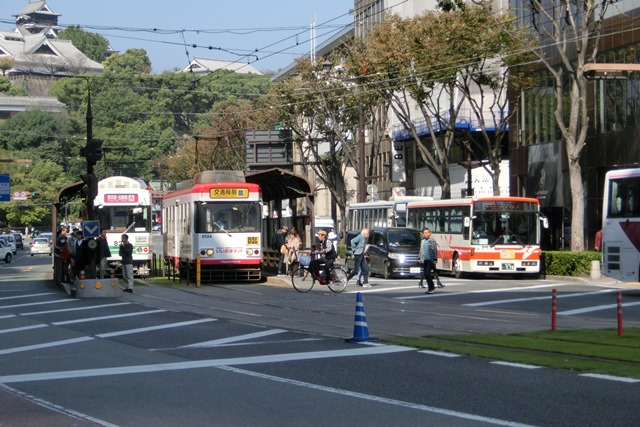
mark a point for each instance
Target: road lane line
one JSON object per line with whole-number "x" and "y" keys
{"x": 25, "y": 296}
{"x": 378, "y": 399}
{"x": 7, "y": 316}
{"x": 595, "y": 308}
{"x": 45, "y": 345}
{"x": 23, "y": 328}
{"x": 64, "y": 310}
{"x": 507, "y": 301}
{"x": 237, "y": 338}
{"x": 39, "y": 303}
{"x": 479, "y": 291}
{"x": 115, "y": 316}
{"x": 198, "y": 364}
{"x": 439, "y": 353}
{"x": 515, "y": 365}
{"x": 153, "y": 328}
{"x": 611, "y": 378}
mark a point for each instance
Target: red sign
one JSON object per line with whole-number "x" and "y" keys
{"x": 121, "y": 198}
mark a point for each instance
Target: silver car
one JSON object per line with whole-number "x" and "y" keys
{"x": 40, "y": 245}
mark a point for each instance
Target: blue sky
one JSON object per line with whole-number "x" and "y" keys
{"x": 274, "y": 32}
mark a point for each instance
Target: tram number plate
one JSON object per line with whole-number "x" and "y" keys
{"x": 252, "y": 240}
{"x": 508, "y": 267}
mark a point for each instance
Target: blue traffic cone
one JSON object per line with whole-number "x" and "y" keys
{"x": 360, "y": 328}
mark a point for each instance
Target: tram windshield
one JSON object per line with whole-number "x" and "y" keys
{"x": 123, "y": 219}
{"x": 228, "y": 217}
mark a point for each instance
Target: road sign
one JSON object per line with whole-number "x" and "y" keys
{"x": 90, "y": 229}
{"x": 5, "y": 190}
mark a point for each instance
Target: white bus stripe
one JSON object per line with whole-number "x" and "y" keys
{"x": 235, "y": 339}
{"x": 115, "y": 316}
{"x": 45, "y": 345}
{"x": 197, "y": 364}
{"x": 91, "y": 307}
{"x": 153, "y": 328}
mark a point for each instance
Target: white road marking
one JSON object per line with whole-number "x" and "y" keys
{"x": 611, "y": 378}
{"x": 91, "y": 307}
{"x": 378, "y": 399}
{"x": 153, "y": 328}
{"x": 237, "y": 338}
{"x": 439, "y": 353}
{"x": 515, "y": 365}
{"x": 197, "y": 364}
{"x": 115, "y": 316}
{"x": 479, "y": 291}
{"x": 39, "y": 303}
{"x": 7, "y": 316}
{"x": 595, "y": 308}
{"x": 25, "y": 296}
{"x": 23, "y": 328}
{"x": 45, "y": 345}
{"x": 507, "y": 301}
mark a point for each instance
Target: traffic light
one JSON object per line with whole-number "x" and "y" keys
{"x": 89, "y": 192}
{"x": 92, "y": 151}
{"x": 35, "y": 195}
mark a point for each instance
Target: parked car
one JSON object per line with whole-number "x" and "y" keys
{"x": 156, "y": 226}
{"x": 393, "y": 252}
{"x": 40, "y": 246}
{"x": 19, "y": 242}
{"x": 5, "y": 252}
{"x": 10, "y": 241}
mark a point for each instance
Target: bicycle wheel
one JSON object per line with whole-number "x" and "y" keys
{"x": 301, "y": 282}
{"x": 341, "y": 281}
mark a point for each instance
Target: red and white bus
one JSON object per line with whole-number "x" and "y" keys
{"x": 621, "y": 225}
{"x": 483, "y": 234}
{"x": 221, "y": 221}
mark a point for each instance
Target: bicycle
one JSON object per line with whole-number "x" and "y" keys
{"x": 335, "y": 279}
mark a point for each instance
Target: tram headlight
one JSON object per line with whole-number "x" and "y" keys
{"x": 485, "y": 263}
{"x": 206, "y": 252}
{"x": 529, "y": 263}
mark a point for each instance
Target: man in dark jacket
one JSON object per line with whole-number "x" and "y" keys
{"x": 126, "y": 253}
{"x": 103, "y": 251}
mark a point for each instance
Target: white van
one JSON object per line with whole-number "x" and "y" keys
{"x": 9, "y": 241}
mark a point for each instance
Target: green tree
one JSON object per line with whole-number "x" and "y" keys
{"x": 7, "y": 89}
{"x": 571, "y": 31}
{"x": 132, "y": 61}
{"x": 92, "y": 45}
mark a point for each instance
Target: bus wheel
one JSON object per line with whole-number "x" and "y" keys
{"x": 386, "y": 271}
{"x": 457, "y": 267}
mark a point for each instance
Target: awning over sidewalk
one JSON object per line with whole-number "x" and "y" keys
{"x": 281, "y": 184}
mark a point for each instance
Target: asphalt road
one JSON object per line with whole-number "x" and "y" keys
{"x": 267, "y": 355}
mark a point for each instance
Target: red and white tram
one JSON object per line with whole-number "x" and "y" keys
{"x": 219, "y": 221}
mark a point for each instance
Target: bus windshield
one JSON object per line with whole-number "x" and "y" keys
{"x": 228, "y": 217}
{"x": 125, "y": 218}
{"x": 504, "y": 227}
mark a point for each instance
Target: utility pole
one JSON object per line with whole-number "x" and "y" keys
{"x": 362, "y": 183}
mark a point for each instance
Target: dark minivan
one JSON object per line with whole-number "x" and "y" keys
{"x": 393, "y": 251}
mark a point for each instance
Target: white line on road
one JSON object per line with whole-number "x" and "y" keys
{"x": 90, "y": 307}
{"x": 611, "y": 378}
{"x": 25, "y": 296}
{"x": 507, "y": 301}
{"x": 115, "y": 316}
{"x": 7, "y": 316}
{"x": 39, "y": 303}
{"x": 515, "y": 365}
{"x": 196, "y": 364}
{"x": 595, "y": 308}
{"x": 479, "y": 291}
{"x": 439, "y": 353}
{"x": 23, "y": 328}
{"x": 237, "y": 338}
{"x": 44, "y": 345}
{"x": 154, "y": 328}
{"x": 378, "y": 399}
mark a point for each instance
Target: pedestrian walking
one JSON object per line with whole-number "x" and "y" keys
{"x": 126, "y": 253}
{"x": 428, "y": 256}
{"x": 359, "y": 247}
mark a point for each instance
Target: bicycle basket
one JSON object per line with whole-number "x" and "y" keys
{"x": 305, "y": 260}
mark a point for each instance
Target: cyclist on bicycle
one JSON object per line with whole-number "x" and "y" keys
{"x": 327, "y": 255}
